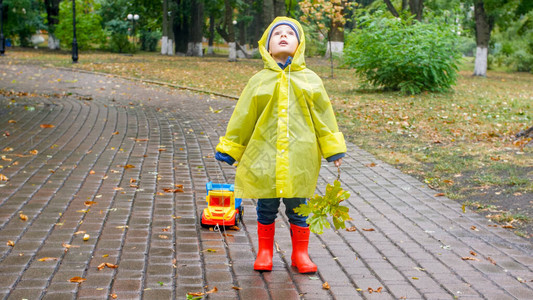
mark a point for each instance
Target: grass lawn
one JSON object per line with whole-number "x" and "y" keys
{"x": 460, "y": 143}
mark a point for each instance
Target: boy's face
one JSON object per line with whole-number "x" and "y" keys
{"x": 283, "y": 41}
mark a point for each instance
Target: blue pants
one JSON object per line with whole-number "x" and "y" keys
{"x": 267, "y": 210}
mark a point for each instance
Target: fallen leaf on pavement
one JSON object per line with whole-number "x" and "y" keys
{"x": 101, "y": 266}
{"x": 89, "y": 203}
{"x": 378, "y": 290}
{"x": 114, "y": 296}
{"x": 473, "y": 253}
{"x": 111, "y": 266}
{"x": 8, "y": 149}
{"x": 68, "y": 246}
{"x": 213, "y": 290}
{"x": 439, "y": 195}
{"x": 77, "y": 279}
{"x": 12, "y": 121}
{"x": 368, "y": 229}
{"x": 326, "y": 286}
{"x": 491, "y": 260}
{"x": 10, "y": 243}
{"x": 371, "y": 165}
{"x": 170, "y": 190}
{"x": 469, "y": 258}
{"x": 47, "y": 126}
{"x": 3, "y": 177}
{"x": 162, "y": 236}
{"x": 79, "y": 232}
{"x": 23, "y": 217}
{"x": 353, "y": 228}
{"x": 48, "y": 258}
{"x": 128, "y": 166}
{"x": 199, "y": 294}
{"x": 34, "y": 152}
{"x": 236, "y": 288}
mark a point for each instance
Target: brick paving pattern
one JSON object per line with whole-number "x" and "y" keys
{"x": 120, "y": 143}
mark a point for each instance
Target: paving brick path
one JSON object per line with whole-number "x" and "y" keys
{"x": 120, "y": 143}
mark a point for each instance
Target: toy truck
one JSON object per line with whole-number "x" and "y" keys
{"x": 223, "y": 209}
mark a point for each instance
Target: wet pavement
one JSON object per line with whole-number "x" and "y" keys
{"x": 91, "y": 154}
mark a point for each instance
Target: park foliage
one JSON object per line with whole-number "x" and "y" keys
{"x": 404, "y": 54}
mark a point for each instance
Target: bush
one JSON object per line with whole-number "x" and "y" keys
{"x": 467, "y": 46}
{"x": 89, "y": 32}
{"x": 149, "y": 40}
{"x": 118, "y": 36}
{"x": 21, "y": 20}
{"x": 403, "y": 55}
{"x": 514, "y": 46}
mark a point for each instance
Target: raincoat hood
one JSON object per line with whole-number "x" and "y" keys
{"x": 282, "y": 125}
{"x": 298, "y": 60}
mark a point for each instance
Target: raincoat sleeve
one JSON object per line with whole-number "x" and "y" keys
{"x": 241, "y": 124}
{"x": 330, "y": 140}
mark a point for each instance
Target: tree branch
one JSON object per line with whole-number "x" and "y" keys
{"x": 391, "y": 8}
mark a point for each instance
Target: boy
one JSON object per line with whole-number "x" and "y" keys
{"x": 281, "y": 125}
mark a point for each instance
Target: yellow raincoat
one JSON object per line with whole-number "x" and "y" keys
{"x": 281, "y": 125}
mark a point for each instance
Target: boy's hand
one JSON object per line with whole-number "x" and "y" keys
{"x": 338, "y": 162}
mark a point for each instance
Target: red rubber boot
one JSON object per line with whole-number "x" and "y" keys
{"x": 265, "y": 235}
{"x": 300, "y": 243}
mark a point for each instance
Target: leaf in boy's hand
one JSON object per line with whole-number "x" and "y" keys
{"x": 319, "y": 208}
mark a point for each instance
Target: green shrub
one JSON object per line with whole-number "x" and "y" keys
{"x": 514, "y": 46}
{"x": 117, "y": 31}
{"x": 149, "y": 40}
{"x": 89, "y": 32}
{"x": 315, "y": 44}
{"x": 403, "y": 55}
{"x": 21, "y": 20}
{"x": 467, "y": 46}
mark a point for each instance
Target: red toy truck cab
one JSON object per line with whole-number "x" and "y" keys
{"x": 223, "y": 209}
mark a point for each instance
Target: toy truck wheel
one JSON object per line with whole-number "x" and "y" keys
{"x": 202, "y": 223}
{"x": 241, "y": 213}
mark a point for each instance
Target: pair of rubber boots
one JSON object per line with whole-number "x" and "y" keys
{"x": 300, "y": 243}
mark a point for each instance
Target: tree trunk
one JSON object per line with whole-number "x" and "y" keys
{"x": 194, "y": 47}
{"x": 404, "y": 5}
{"x": 483, "y": 29}
{"x": 171, "y": 37}
{"x": 279, "y": 8}
{"x": 391, "y": 8}
{"x": 231, "y": 31}
{"x": 242, "y": 40}
{"x": 268, "y": 11}
{"x": 210, "y": 43}
{"x": 181, "y": 25}
{"x": 336, "y": 44}
{"x": 52, "y": 15}
{"x": 417, "y": 7}
{"x": 164, "y": 38}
